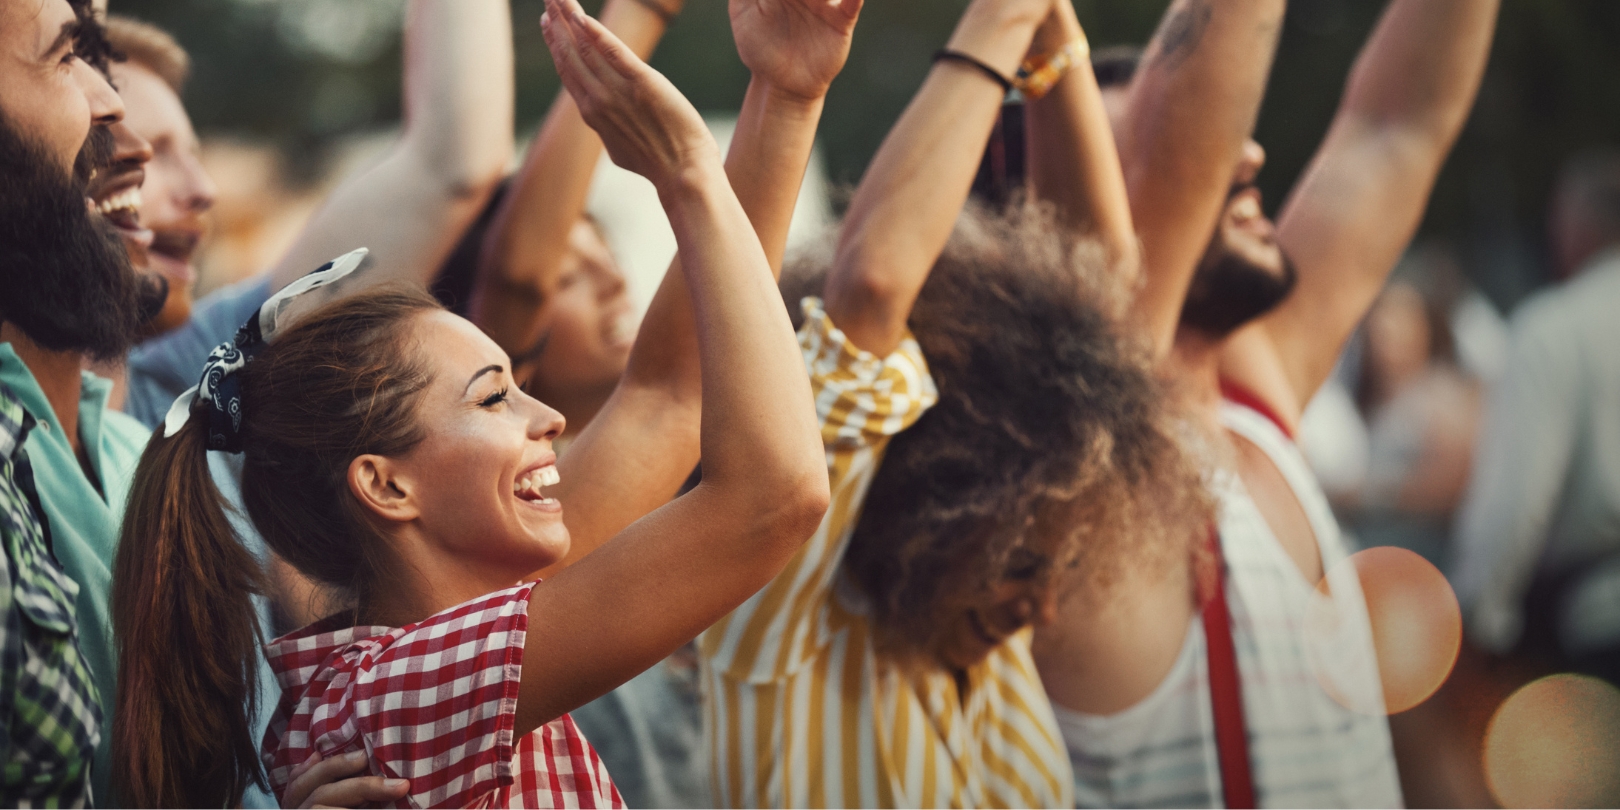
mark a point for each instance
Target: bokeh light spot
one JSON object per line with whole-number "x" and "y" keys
{"x": 1556, "y": 743}
{"x": 1415, "y": 626}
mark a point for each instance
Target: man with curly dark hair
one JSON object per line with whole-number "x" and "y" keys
{"x": 988, "y": 427}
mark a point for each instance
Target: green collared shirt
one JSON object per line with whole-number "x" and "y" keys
{"x": 83, "y": 522}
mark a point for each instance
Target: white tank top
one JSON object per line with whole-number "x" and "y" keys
{"x": 1306, "y": 748}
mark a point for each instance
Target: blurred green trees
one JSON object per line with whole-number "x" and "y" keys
{"x": 303, "y": 72}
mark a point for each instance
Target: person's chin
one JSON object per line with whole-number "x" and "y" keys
{"x": 970, "y": 644}
{"x": 176, "y": 311}
{"x": 547, "y": 545}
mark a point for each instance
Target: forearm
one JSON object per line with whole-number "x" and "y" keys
{"x": 458, "y": 90}
{"x": 770, "y": 151}
{"x": 1073, "y": 161}
{"x": 412, "y": 206}
{"x": 906, "y": 206}
{"x": 660, "y": 398}
{"x": 1193, "y": 104}
{"x": 758, "y": 424}
{"x": 527, "y": 244}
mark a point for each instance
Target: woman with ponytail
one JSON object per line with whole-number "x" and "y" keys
{"x": 388, "y": 454}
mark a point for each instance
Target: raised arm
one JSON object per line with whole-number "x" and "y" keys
{"x": 1073, "y": 161}
{"x": 1192, "y": 107}
{"x": 643, "y": 445}
{"x": 673, "y": 573}
{"x": 906, "y": 206}
{"x": 412, "y": 206}
{"x": 1364, "y": 193}
{"x": 525, "y": 251}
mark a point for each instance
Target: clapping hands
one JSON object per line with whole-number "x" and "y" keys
{"x": 647, "y": 126}
{"x": 796, "y": 46}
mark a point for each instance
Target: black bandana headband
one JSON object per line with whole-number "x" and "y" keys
{"x": 220, "y": 389}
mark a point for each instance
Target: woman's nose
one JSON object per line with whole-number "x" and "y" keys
{"x": 547, "y": 423}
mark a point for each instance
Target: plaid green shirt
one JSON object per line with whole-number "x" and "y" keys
{"x": 50, "y": 721}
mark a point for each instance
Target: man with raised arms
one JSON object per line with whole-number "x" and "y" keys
{"x": 1249, "y": 321}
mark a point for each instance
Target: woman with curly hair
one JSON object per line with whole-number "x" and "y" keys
{"x": 990, "y": 432}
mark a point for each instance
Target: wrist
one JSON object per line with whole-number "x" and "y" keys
{"x": 1061, "y": 28}
{"x": 691, "y": 180}
{"x": 995, "y": 34}
{"x": 780, "y": 101}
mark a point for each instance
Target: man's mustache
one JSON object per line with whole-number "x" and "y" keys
{"x": 95, "y": 158}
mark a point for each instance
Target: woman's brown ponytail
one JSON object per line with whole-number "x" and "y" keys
{"x": 187, "y": 633}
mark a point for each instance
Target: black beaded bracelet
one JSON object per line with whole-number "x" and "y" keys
{"x": 657, "y": 8}
{"x": 946, "y": 54}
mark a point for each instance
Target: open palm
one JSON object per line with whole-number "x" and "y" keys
{"x": 798, "y": 46}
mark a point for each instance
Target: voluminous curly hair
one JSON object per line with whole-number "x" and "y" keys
{"x": 1049, "y": 419}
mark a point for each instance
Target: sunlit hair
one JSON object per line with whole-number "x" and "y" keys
{"x": 1049, "y": 420}
{"x": 342, "y": 383}
{"x": 151, "y": 47}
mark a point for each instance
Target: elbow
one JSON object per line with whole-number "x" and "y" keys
{"x": 461, "y": 174}
{"x": 808, "y": 503}
{"x": 792, "y": 508}
{"x": 473, "y": 181}
{"x": 862, "y": 281}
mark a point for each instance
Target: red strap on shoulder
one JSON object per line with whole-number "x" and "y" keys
{"x": 1241, "y": 395}
{"x": 1226, "y": 690}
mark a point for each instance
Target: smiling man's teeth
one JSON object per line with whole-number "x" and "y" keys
{"x": 1246, "y": 208}
{"x": 548, "y": 476}
{"x": 129, "y": 198}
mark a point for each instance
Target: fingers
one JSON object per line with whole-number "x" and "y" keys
{"x": 600, "y": 47}
{"x": 360, "y": 791}
{"x": 303, "y": 767}
{"x": 314, "y": 772}
{"x": 564, "y": 50}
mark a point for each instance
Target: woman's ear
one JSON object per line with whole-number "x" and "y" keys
{"x": 374, "y": 482}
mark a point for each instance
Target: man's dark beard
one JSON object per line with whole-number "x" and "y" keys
{"x": 1228, "y": 291}
{"x": 65, "y": 277}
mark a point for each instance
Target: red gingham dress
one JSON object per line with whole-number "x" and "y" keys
{"x": 433, "y": 702}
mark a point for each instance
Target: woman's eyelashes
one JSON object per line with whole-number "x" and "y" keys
{"x": 493, "y": 399}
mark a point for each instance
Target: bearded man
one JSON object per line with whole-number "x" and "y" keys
{"x": 67, "y": 292}
{"x": 1199, "y": 686}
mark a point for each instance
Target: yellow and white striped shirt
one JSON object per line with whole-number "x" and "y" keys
{"x": 800, "y": 711}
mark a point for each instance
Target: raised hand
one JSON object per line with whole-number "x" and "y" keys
{"x": 795, "y": 46}
{"x": 1060, "y": 26}
{"x": 647, "y": 126}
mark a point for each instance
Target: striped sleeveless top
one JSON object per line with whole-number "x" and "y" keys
{"x": 1306, "y": 748}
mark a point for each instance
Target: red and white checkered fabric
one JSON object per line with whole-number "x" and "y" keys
{"x": 433, "y": 702}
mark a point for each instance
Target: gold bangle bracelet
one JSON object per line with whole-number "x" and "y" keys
{"x": 1038, "y": 76}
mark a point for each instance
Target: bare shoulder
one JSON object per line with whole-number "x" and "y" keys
{"x": 1105, "y": 653}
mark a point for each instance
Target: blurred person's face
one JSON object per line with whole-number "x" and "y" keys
{"x": 593, "y": 325}
{"x": 988, "y": 614}
{"x": 65, "y": 280}
{"x": 1244, "y": 273}
{"x": 177, "y": 194}
{"x": 475, "y": 479}
{"x": 1397, "y": 334}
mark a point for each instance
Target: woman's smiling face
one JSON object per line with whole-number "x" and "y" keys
{"x": 478, "y": 473}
